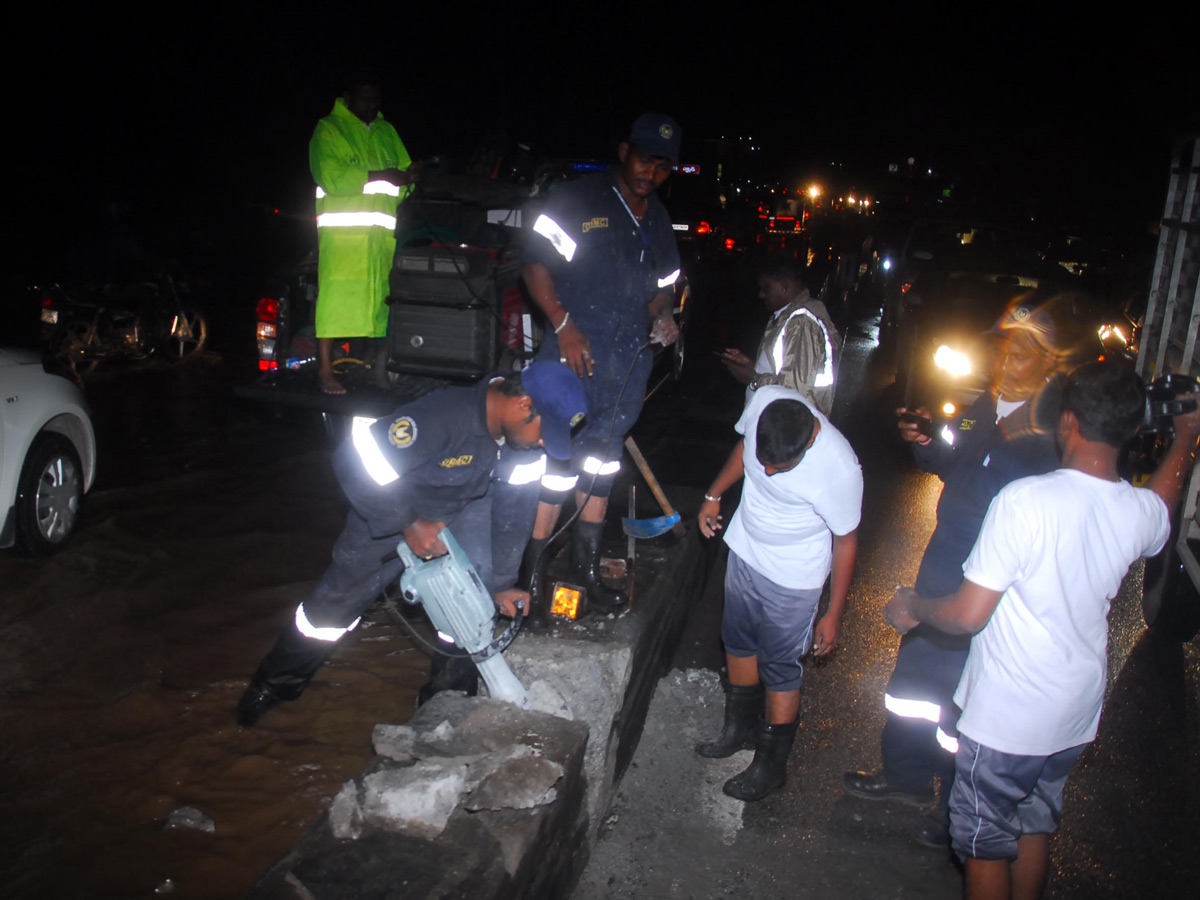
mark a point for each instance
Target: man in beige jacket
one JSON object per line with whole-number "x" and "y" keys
{"x": 799, "y": 348}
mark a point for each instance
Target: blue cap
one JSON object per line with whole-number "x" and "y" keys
{"x": 558, "y": 397}
{"x": 656, "y": 135}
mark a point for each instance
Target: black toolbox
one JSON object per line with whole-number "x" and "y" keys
{"x": 444, "y": 309}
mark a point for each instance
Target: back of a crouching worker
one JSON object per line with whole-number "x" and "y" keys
{"x": 465, "y": 458}
{"x": 797, "y": 522}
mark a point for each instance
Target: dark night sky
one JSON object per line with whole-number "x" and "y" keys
{"x": 220, "y": 106}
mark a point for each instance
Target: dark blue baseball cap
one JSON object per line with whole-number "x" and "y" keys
{"x": 558, "y": 397}
{"x": 656, "y": 135}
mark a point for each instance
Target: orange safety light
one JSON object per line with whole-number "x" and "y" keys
{"x": 567, "y": 600}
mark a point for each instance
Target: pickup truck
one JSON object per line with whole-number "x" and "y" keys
{"x": 458, "y": 308}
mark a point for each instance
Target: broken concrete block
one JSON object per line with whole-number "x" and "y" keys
{"x": 592, "y": 679}
{"x": 394, "y": 741}
{"x": 345, "y": 813}
{"x": 520, "y": 783}
{"x": 416, "y": 800}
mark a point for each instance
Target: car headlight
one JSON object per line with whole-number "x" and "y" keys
{"x": 953, "y": 362}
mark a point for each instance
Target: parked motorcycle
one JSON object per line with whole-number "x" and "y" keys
{"x": 120, "y": 324}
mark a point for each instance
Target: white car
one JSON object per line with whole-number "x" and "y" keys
{"x": 47, "y": 453}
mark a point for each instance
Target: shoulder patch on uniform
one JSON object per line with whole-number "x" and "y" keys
{"x": 597, "y": 222}
{"x": 576, "y": 419}
{"x": 403, "y": 432}
{"x": 966, "y": 424}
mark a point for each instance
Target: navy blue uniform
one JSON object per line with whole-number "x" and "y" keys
{"x": 606, "y": 268}
{"x": 432, "y": 459}
{"x": 983, "y": 458}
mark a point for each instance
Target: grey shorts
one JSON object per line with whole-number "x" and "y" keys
{"x": 771, "y": 622}
{"x": 998, "y": 797}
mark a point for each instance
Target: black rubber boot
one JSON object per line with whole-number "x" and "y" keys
{"x": 533, "y": 576}
{"x": 283, "y": 674}
{"x": 743, "y": 709}
{"x": 768, "y": 771}
{"x": 585, "y": 567}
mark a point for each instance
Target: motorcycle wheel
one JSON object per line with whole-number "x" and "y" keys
{"x": 189, "y": 331}
{"x": 75, "y": 346}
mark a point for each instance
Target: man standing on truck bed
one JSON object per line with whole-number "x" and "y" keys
{"x": 466, "y": 458}
{"x": 362, "y": 171}
{"x": 602, "y": 264}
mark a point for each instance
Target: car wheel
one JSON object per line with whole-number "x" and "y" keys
{"x": 1170, "y": 602}
{"x": 49, "y": 495}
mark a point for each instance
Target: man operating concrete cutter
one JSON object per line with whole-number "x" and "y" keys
{"x": 465, "y": 458}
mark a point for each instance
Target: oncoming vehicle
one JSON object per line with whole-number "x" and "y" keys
{"x": 47, "y": 453}
{"x": 945, "y": 345}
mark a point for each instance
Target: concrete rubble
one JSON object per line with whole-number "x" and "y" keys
{"x": 478, "y": 798}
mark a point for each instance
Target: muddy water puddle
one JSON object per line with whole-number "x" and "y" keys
{"x": 122, "y": 657}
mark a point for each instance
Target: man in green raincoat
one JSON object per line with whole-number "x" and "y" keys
{"x": 362, "y": 171}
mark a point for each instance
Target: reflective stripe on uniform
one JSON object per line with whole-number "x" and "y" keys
{"x": 560, "y": 483}
{"x": 913, "y": 709}
{"x": 309, "y": 630}
{"x": 553, "y": 232}
{"x": 594, "y": 466}
{"x": 370, "y": 454}
{"x": 948, "y": 742}
{"x": 352, "y": 219}
{"x": 381, "y": 187}
{"x": 371, "y": 187}
{"x": 528, "y": 473}
{"x": 825, "y": 378}
{"x": 669, "y": 280}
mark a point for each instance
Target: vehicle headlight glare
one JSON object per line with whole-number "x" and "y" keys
{"x": 953, "y": 362}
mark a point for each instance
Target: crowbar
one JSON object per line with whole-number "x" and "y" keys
{"x": 649, "y": 528}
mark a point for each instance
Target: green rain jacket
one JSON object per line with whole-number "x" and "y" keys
{"x": 356, "y": 221}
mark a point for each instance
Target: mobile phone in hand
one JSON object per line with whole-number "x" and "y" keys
{"x": 923, "y": 423}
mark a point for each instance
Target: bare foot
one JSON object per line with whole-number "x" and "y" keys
{"x": 330, "y": 384}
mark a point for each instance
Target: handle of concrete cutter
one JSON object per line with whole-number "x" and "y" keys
{"x": 644, "y": 468}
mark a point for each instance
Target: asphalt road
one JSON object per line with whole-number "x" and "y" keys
{"x": 122, "y": 657}
{"x": 1131, "y": 806}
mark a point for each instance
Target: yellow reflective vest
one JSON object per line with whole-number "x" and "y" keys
{"x": 356, "y": 221}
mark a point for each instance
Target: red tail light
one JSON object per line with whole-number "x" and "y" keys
{"x": 268, "y": 309}
{"x": 906, "y": 287}
{"x": 703, "y": 228}
{"x": 728, "y": 243}
{"x": 47, "y": 301}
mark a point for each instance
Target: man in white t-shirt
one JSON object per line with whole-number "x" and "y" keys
{"x": 797, "y": 521}
{"x": 1035, "y": 594}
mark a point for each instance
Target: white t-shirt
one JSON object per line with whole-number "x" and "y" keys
{"x": 782, "y": 526}
{"x": 1058, "y": 545}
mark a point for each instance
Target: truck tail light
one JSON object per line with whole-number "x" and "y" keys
{"x": 268, "y": 309}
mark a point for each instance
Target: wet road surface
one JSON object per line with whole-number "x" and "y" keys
{"x": 122, "y": 658}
